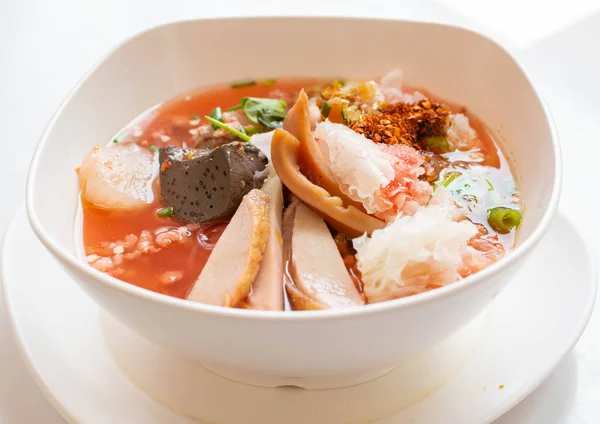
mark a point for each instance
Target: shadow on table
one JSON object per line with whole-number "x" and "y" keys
{"x": 552, "y": 402}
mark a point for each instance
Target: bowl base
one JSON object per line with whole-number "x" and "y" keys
{"x": 207, "y": 394}
{"x": 314, "y": 383}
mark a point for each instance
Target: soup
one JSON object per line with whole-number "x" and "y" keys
{"x": 299, "y": 194}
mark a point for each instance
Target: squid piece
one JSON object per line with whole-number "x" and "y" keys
{"x": 285, "y": 150}
{"x": 311, "y": 160}
{"x": 227, "y": 277}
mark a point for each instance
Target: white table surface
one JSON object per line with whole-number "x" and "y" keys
{"x": 46, "y": 46}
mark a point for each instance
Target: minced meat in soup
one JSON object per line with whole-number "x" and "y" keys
{"x": 299, "y": 194}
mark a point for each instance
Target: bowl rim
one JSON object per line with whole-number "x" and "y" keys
{"x": 389, "y": 306}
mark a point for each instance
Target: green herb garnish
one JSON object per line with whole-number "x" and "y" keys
{"x": 489, "y": 184}
{"x": 154, "y": 148}
{"x": 115, "y": 141}
{"x": 251, "y": 130}
{"x": 270, "y": 119}
{"x": 164, "y": 212}
{"x": 448, "y": 178}
{"x": 436, "y": 144}
{"x": 267, "y": 112}
{"x": 236, "y": 107}
{"x": 341, "y": 82}
{"x": 217, "y": 115}
{"x": 226, "y": 127}
{"x": 270, "y": 109}
{"x": 325, "y": 109}
{"x": 345, "y": 116}
{"x": 269, "y": 81}
{"x": 245, "y": 83}
{"x": 503, "y": 220}
{"x": 195, "y": 117}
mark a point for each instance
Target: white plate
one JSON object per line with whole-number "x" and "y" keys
{"x": 525, "y": 333}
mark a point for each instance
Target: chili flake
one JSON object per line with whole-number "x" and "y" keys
{"x": 404, "y": 123}
{"x": 165, "y": 165}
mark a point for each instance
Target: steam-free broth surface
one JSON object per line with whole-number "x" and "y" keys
{"x": 169, "y": 124}
{"x": 149, "y": 245}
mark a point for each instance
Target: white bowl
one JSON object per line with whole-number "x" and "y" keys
{"x": 353, "y": 344}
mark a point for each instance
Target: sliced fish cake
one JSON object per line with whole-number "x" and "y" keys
{"x": 316, "y": 265}
{"x": 227, "y": 277}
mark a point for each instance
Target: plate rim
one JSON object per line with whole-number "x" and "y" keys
{"x": 584, "y": 317}
{"x": 24, "y": 352}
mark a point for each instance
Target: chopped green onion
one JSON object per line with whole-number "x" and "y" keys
{"x": 345, "y": 117}
{"x": 164, "y": 212}
{"x": 269, "y": 81}
{"x": 503, "y": 220}
{"x": 226, "y": 127}
{"x": 251, "y": 130}
{"x": 341, "y": 82}
{"x": 241, "y": 84}
{"x": 489, "y": 184}
{"x": 325, "y": 109}
{"x": 217, "y": 115}
{"x": 115, "y": 141}
{"x": 448, "y": 178}
{"x": 195, "y": 117}
{"x": 242, "y": 129}
{"x": 437, "y": 144}
{"x": 154, "y": 148}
